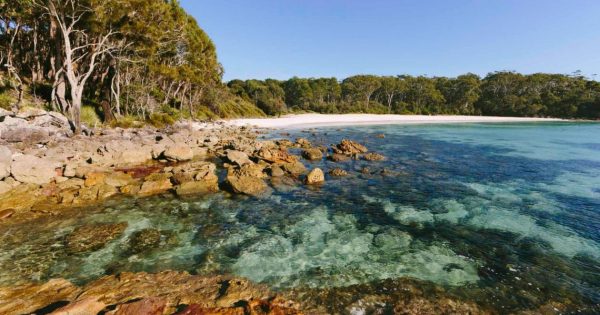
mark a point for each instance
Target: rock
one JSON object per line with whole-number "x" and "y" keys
{"x": 26, "y": 134}
{"x": 315, "y": 176}
{"x": 29, "y": 112}
{"x": 295, "y": 168}
{"x": 238, "y": 157}
{"x": 373, "y": 157}
{"x": 118, "y": 179}
{"x": 4, "y": 113}
{"x": 349, "y": 147}
{"x": 133, "y": 156}
{"x": 337, "y": 157}
{"x": 178, "y": 152}
{"x": 27, "y": 298}
{"x": 5, "y": 214}
{"x": 276, "y": 156}
{"x": 94, "y": 178}
{"x": 312, "y": 154}
{"x": 380, "y": 136}
{"x": 82, "y": 307}
{"x": 155, "y": 183}
{"x": 338, "y": 172}
{"x": 304, "y": 143}
{"x": 93, "y": 237}
{"x": 105, "y": 191}
{"x": 5, "y": 161}
{"x": 150, "y": 306}
{"x": 197, "y": 187}
{"x": 131, "y": 189}
{"x": 248, "y": 185}
{"x": 5, "y": 187}
{"x": 365, "y": 170}
{"x": 33, "y": 170}
{"x": 84, "y": 195}
{"x": 21, "y": 197}
{"x": 276, "y": 171}
{"x": 144, "y": 240}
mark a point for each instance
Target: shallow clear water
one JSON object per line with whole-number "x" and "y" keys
{"x": 506, "y": 215}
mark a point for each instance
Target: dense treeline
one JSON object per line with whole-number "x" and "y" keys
{"x": 126, "y": 57}
{"x": 149, "y": 59}
{"x": 499, "y": 93}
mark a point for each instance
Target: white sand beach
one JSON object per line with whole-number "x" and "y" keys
{"x": 324, "y": 120}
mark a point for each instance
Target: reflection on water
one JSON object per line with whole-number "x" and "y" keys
{"x": 507, "y": 216}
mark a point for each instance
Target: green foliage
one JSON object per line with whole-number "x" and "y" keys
{"x": 499, "y": 93}
{"x": 6, "y": 100}
{"x": 127, "y": 121}
{"x": 89, "y": 117}
{"x": 161, "y": 120}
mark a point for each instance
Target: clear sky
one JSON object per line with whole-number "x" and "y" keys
{"x": 323, "y": 38}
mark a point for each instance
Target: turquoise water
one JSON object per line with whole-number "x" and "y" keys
{"x": 505, "y": 215}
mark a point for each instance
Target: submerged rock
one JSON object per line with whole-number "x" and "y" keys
{"x": 373, "y": 157}
{"x": 338, "y": 172}
{"x": 144, "y": 240}
{"x": 337, "y": 157}
{"x": 155, "y": 183}
{"x": 315, "y": 176}
{"x": 312, "y": 154}
{"x": 93, "y": 237}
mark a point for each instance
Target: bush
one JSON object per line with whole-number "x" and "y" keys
{"x": 126, "y": 122}
{"x": 161, "y": 120}
{"x": 6, "y": 101}
{"x": 89, "y": 117}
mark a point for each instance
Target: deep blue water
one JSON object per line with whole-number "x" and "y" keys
{"x": 506, "y": 215}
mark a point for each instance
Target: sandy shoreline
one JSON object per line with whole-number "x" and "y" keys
{"x": 323, "y": 120}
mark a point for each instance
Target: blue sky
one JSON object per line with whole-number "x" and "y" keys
{"x": 324, "y": 38}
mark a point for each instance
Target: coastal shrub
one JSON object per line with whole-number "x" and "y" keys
{"x": 126, "y": 121}
{"x": 161, "y": 120}
{"x": 89, "y": 117}
{"x": 6, "y": 101}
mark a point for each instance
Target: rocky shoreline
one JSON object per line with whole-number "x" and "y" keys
{"x": 44, "y": 168}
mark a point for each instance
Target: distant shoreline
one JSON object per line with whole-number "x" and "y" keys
{"x": 328, "y": 120}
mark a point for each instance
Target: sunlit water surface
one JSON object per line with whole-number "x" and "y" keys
{"x": 506, "y": 215}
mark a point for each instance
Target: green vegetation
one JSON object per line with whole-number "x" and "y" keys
{"x": 142, "y": 58}
{"x": 148, "y": 61}
{"x": 498, "y": 94}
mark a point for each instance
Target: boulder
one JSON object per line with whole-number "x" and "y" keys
{"x": 304, "y": 143}
{"x": 29, "y": 298}
{"x": 315, "y": 176}
{"x": 133, "y": 155}
{"x": 312, "y": 154}
{"x": 197, "y": 187}
{"x": 276, "y": 171}
{"x": 94, "y": 178}
{"x": 337, "y": 157}
{"x": 276, "y": 156}
{"x": 243, "y": 184}
{"x": 143, "y": 240}
{"x": 5, "y": 161}
{"x": 179, "y": 152}
{"x": 4, "y": 187}
{"x": 238, "y": 157}
{"x": 338, "y": 172}
{"x": 93, "y": 237}
{"x": 26, "y": 134}
{"x": 118, "y": 179}
{"x": 295, "y": 168}
{"x": 30, "y": 112}
{"x": 155, "y": 183}
{"x": 33, "y": 170}
{"x": 373, "y": 157}
{"x": 349, "y": 147}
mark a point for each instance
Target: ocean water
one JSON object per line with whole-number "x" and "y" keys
{"x": 503, "y": 215}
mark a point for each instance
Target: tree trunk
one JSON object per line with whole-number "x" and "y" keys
{"x": 107, "y": 92}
